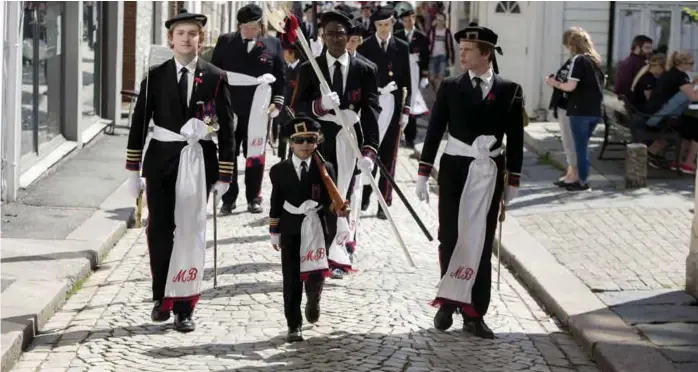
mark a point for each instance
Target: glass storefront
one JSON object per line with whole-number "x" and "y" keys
{"x": 91, "y": 59}
{"x": 42, "y": 68}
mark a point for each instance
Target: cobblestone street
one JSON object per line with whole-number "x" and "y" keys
{"x": 376, "y": 320}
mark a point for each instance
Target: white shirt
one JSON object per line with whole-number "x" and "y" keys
{"x": 387, "y": 41}
{"x": 409, "y": 35}
{"x": 486, "y": 83}
{"x": 297, "y": 164}
{"x": 250, "y": 45}
{"x": 344, "y": 62}
{"x": 294, "y": 64}
{"x": 191, "y": 69}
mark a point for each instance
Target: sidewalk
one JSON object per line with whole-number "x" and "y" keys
{"x": 56, "y": 233}
{"x": 610, "y": 264}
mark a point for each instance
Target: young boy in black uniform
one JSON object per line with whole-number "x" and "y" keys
{"x": 300, "y": 202}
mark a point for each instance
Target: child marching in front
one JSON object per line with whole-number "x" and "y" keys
{"x": 300, "y": 201}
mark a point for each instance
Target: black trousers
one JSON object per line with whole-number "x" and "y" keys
{"x": 283, "y": 149}
{"x": 452, "y": 176}
{"x": 411, "y": 129}
{"x": 293, "y": 286}
{"x": 160, "y": 234}
{"x": 387, "y": 153}
{"x": 254, "y": 173}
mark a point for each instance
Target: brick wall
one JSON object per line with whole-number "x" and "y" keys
{"x": 129, "y": 58}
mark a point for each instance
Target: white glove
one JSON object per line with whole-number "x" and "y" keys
{"x": 366, "y": 165}
{"x": 404, "y": 119}
{"x": 220, "y": 188}
{"x": 330, "y": 101}
{"x": 274, "y": 239}
{"x": 510, "y": 194}
{"x": 273, "y": 111}
{"x": 350, "y": 117}
{"x": 135, "y": 184}
{"x": 422, "y": 189}
{"x": 423, "y": 83}
{"x": 266, "y": 79}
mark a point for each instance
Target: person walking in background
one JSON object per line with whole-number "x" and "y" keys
{"x": 441, "y": 50}
{"x": 584, "y": 86}
{"x": 640, "y": 50}
{"x": 558, "y": 105}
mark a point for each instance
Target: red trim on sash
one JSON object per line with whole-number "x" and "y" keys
{"x": 467, "y": 309}
{"x": 168, "y": 302}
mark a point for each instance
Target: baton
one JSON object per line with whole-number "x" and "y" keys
{"x": 215, "y": 241}
{"x": 139, "y": 210}
{"x": 502, "y": 217}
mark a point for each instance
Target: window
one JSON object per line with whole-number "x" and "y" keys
{"x": 689, "y": 35}
{"x": 660, "y": 30}
{"x": 42, "y": 63}
{"x": 91, "y": 59}
{"x": 508, "y": 7}
{"x": 629, "y": 25}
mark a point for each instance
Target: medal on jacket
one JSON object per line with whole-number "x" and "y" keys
{"x": 208, "y": 111}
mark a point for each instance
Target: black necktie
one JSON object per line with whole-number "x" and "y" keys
{"x": 304, "y": 173}
{"x": 337, "y": 81}
{"x": 384, "y": 43}
{"x": 477, "y": 90}
{"x": 183, "y": 87}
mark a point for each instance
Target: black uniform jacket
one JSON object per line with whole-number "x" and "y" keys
{"x": 164, "y": 107}
{"x": 230, "y": 54}
{"x": 393, "y": 65}
{"x": 420, "y": 45}
{"x": 286, "y": 188}
{"x": 500, "y": 113}
{"x": 360, "y": 94}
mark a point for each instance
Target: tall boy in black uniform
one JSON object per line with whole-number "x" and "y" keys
{"x": 478, "y": 108}
{"x": 391, "y": 55}
{"x": 419, "y": 46}
{"x": 251, "y": 53}
{"x": 178, "y": 90}
{"x": 298, "y": 197}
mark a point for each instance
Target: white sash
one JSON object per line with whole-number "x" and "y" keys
{"x": 475, "y": 202}
{"x": 417, "y": 104}
{"x": 387, "y": 103}
{"x": 259, "y": 117}
{"x": 346, "y": 164}
{"x": 312, "y": 250}
{"x": 355, "y": 204}
{"x": 186, "y": 270}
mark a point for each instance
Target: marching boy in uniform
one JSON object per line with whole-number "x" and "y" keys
{"x": 187, "y": 98}
{"x": 300, "y": 202}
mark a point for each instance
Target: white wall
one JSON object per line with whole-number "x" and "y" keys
{"x": 11, "y": 100}
{"x": 594, "y": 17}
{"x": 144, "y": 37}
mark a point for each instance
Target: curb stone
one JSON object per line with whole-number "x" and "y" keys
{"x": 614, "y": 345}
{"x": 41, "y": 299}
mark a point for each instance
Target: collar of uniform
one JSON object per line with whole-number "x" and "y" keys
{"x": 353, "y": 54}
{"x": 191, "y": 66}
{"x": 297, "y": 162}
{"x": 294, "y": 64}
{"x": 343, "y": 59}
{"x": 387, "y": 40}
{"x": 486, "y": 77}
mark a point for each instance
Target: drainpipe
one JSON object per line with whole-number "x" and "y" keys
{"x": 611, "y": 36}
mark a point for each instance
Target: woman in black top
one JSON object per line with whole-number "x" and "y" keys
{"x": 646, "y": 80}
{"x": 558, "y": 105}
{"x": 584, "y": 87}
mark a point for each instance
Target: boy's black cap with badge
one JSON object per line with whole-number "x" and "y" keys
{"x": 335, "y": 16}
{"x": 185, "y": 17}
{"x": 383, "y": 13}
{"x": 483, "y": 35}
{"x": 301, "y": 126}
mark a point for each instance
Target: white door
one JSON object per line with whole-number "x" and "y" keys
{"x": 508, "y": 20}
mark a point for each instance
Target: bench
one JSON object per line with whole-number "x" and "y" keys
{"x": 132, "y": 96}
{"x": 632, "y": 119}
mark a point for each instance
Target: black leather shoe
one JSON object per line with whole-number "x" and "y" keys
{"x": 444, "y": 317}
{"x": 477, "y": 327}
{"x": 183, "y": 323}
{"x": 226, "y": 209}
{"x": 312, "y": 308}
{"x": 577, "y": 186}
{"x": 158, "y": 315}
{"x": 381, "y": 215}
{"x": 255, "y": 207}
{"x": 294, "y": 335}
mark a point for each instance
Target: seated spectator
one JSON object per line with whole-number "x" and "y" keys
{"x": 645, "y": 81}
{"x": 640, "y": 49}
{"x": 671, "y": 96}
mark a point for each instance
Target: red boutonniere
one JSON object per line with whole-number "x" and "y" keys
{"x": 259, "y": 44}
{"x": 198, "y": 80}
{"x": 490, "y": 96}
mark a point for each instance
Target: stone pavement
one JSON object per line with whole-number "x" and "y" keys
{"x": 56, "y": 232}
{"x": 377, "y": 319}
{"x": 624, "y": 250}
